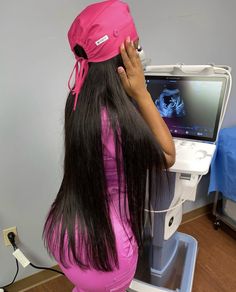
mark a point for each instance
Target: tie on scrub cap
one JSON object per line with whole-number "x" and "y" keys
{"x": 99, "y": 29}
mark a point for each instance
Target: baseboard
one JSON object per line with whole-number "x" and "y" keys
{"x": 45, "y": 276}
{"x": 194, "y": 214}
{"x": 34, "y": 280}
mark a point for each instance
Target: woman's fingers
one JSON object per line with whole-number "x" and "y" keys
{"x": 129, "y": 55}
{"x": 123, "y": 77}
{"x": 125, "y": 57}
{"x": 131, "y": 52}
{"x": 131, "y": 75}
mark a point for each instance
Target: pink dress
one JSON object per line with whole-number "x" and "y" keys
{"x": 127, "y": 249}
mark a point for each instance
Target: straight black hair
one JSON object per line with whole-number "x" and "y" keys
{"x": 81, "y": 208}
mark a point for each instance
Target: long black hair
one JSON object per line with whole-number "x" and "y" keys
{"x": 81, "y": 208}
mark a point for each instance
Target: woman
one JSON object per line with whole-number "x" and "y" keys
{"x": 114, "y": 136}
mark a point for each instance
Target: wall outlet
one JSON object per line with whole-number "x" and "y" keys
{"x": 5, "y": 232}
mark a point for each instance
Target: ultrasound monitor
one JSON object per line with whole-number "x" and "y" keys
{"x": 190, "y": 105}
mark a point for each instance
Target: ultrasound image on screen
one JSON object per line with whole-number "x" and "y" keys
{"x": 190, "y": 106}
{"x": 170, "y": 103}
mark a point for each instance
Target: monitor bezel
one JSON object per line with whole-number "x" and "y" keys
{"x": 212, "y": 139}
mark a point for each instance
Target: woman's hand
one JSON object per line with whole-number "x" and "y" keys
{"x": 133, "y": 80}
{"x": 132, "y": 76}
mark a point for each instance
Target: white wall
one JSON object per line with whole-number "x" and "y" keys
{"x": 35, "y": 63}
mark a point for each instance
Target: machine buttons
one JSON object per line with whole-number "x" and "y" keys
{"x": 184, "y": 143}
{"x": 200, "y": 154}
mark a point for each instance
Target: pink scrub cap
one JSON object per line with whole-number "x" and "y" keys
{"x": 99, "y": 29}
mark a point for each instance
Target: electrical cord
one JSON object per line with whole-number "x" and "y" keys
{"x": 11, "y": 237}
{"x": 17, "y": 270}
{"x": 45, "y": 268}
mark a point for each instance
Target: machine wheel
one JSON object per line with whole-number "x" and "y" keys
{"x": 217, "y": 224}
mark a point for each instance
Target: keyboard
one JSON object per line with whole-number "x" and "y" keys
{"x": 192, "y": 156}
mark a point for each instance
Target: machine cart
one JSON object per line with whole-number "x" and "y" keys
{"x": 223, "y": 179}
{"x": 169, "y": 258}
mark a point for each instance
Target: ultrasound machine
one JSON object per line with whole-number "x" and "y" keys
{"x": 192, "y": 100}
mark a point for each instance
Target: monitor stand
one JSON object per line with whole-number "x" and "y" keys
{"x": 167, "y": 263}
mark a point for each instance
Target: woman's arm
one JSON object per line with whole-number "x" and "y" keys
{"x": 133, "y": 81}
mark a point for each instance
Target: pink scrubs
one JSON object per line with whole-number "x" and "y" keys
{"x": 127, "y": 249}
